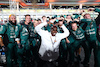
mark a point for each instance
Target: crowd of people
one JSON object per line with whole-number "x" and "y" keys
{"x": 51, "y": 41}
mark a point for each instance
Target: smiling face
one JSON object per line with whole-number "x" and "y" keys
{"x": 74, "y": 26}
{"x": 35, "y": 23}
{"x": 27, "y": 19}
{"x": 12, "y": 18}
{"x": 53, "y": 30}
{"x": 87, "y": 16}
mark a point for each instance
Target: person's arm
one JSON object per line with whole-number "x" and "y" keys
{"x": 2, "y": 32}
{"x": 1, "y": 42}
{"x": 68, "y": 20}
{"x": 38, "y": 28}
{"x": 98, "y": 18}
{"x": 17, "y": 33}
{"x": 67, "y": 40}
{"x": 66, "y": 32}
{"x": 94, "y": 9}
{"x": 97, "y": 10}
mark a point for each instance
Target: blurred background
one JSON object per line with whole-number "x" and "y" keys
{"x": 38, "y": 8}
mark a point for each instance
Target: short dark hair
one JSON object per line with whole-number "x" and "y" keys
{"x": 61, "y": 16}
{"x": 38, "y": 19}
{"x": 54, "y": 26}
{"x": 43, "y": 16}
{"x": 73, "y": 22}
{"x": 61, "y": 20}
{"x": 27, "y": 15}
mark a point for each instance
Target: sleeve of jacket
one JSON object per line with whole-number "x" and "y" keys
{"x": 2, "y": 30}
{"x": 65, "y": 34}
{"x": 98, "y": 18}
{"x": 17, "y": 32}
{"x": 39, "y": 30}
{"x": 97, "y": 10}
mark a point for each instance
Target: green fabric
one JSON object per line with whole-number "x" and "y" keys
{"x": 22, "y": 32}
{"x": 92, "y": 42}
{"x": 55, "y": 16}
{"x": 11, "y": 50}
{"x": 63, "y": 45}
{"x": 2, "y": 29}
{"x": 79, "y": 33}
{"x": 48, "y": 27}
{"x": 78, "y": 40}
{"x": 64, "y": 16}
{"x": 25, "y": 51}
{"x": 8, "y": 29}
{"x": 90, "y": 29}
{"x": 63, "y": 41}
{"x": 97, "y": 10}
{"x": 76, "y": 45}
{"x": 98, "y": 56}
{"x": 71, "y": 39}
{"x": 76, "y": 16}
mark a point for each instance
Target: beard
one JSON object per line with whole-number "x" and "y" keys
{"x": 12, "y": 22}
{"x": 53, "y": 34}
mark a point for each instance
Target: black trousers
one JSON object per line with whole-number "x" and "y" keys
{"x": 42, "y": 63}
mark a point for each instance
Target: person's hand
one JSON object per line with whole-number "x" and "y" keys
{"x": 4, "y": 48}
{"x": 67, "y": 41}
{"x": 52, "y": 20}
{"x": 57, "y": 24}
{"x": 91, "y": 9}
{"x": 20, "y": 46}
{"x": 76, "y": 20}
{"x": 60, "y": 23}
{"x": 62, "y": 18}
{"x": 81, "y": 11}
{"x": 68, "y": 20}
{"x": 45, "y": 19}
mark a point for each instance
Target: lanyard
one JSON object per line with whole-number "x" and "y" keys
{"x": 52, "y": 40}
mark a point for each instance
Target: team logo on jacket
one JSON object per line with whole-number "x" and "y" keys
{"x": 78, "y": 31}
{"x": 16, "y": 29}
{"x": 25, "y": 30}
{"x": 1, "y": 28}
{"x": 11, "y": 29}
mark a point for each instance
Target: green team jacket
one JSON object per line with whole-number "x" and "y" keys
{"x": 7, "y": 31}
{"x": 78, "y": 34}
{"x": 22, "y": 33}
{"x": 90, "y": 28}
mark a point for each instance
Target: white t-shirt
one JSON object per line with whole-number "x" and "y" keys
{"x": 49, "y": 49}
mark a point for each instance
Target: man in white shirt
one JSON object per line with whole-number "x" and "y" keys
{"x": 49, "y": 49}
